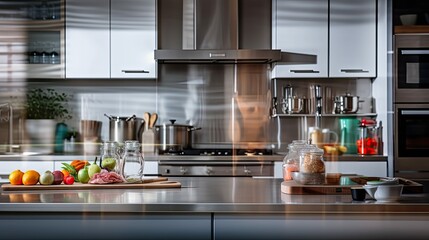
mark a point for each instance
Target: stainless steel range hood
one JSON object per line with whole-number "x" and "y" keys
{"x": 218, "y": 31}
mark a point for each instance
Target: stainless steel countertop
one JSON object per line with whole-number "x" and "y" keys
{"x": 154, "y": 157}
{"x": 203, "y": 195}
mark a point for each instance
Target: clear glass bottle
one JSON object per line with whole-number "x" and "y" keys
{"x": 110, "y": 158}
{"x": 54, "y": 57}
{"x": 132, "y": 162}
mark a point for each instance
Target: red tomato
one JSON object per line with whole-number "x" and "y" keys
{"x": 372, "y": 151}
{"x": 362, "y": 150}
{"x": 65, "y": 173}
{"x": 69, "y": 180}
{"x": 359, "y": 142}
{"x": 370, "y": 142}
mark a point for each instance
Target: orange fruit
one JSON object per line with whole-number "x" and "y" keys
{"x": 65, "y": 173}
{"x": 30, "y": 177}
{"x": 15, "y": 177}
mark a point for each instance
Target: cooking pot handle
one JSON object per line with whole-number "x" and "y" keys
{"x": 110, "y": 117}
{"x": 193, "y": 129}
{"x": 132, "y": 117}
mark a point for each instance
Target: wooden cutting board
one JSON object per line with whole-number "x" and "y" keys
{"x": 292, "y": 187}
{"x": 152, "y": 183}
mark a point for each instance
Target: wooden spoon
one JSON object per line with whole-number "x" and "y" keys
{"x": 153, "y": 119}
{"x": 146, "y": 117}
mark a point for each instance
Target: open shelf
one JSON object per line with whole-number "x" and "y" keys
{"x": 328, "y": 115}
{"x": 412, "y": 29}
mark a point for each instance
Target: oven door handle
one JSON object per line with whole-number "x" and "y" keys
{"x": 415, "y": 112}
{"x": 414, "y": 52}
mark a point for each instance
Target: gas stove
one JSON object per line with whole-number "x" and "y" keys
{"x": 218, "y": 162}
{"x": 221, "y": 152}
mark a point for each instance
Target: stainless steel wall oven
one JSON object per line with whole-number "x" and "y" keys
{"x": 411, "y": 106}
{"x": 412, "y": 140}
{"x": 411, "y": 68}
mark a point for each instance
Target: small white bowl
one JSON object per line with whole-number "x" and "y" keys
{"x": 384, "y": 193}
{"x": 408, "y": 19}
{"x": 384, "y": 181}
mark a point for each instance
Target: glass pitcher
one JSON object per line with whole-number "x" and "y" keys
{"x": 110, "y": 156}
{"x": 132, "y": 162}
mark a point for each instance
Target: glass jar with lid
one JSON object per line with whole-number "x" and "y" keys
{"x": 291, "y": 160}
{"x": 311, "y": 166}
{"x": 367, "y": 144}
{"x": 110, "y": 156}
{"x": 132, "y": 162}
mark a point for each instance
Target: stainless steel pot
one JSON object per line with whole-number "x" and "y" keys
{"x": 171, "y": 138}
{"x": 295, "y": 105}
{"x": 125, "y": 128}
{"x": 346, "y": 104}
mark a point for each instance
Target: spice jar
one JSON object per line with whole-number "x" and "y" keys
{"x": 311, "y": 166}
{"x": 132, "y": 162}
{"x": 367, "y": 144}
{"x": 291, "y": 160}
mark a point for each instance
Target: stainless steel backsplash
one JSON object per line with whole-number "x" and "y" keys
{"x": 230, "y": 102}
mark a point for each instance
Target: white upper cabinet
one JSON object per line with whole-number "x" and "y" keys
{"x": 301, "y": 26}
{"x": 87, "y": 39}
{"x": 133, "y": 37}
{"x": 353, "y": 37}
{"x": 342, "y": 33}
{"x": 115, "y": 39}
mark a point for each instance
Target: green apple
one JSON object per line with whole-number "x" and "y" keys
{"x": 83, "y": 175}
{"x": 108, "y": 163}
{"x": 47, "y": 178}
{"x": 93, "y": 169}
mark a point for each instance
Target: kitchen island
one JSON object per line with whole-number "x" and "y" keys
{"x": 208, "y": 208}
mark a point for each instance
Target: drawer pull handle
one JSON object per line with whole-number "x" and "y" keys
{"x": 354, "y": 71}
{"x": 135, "y": 71}
{"x": 304, "y": 71}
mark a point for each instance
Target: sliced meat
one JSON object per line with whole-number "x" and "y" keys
{"x": 106, "y": 177}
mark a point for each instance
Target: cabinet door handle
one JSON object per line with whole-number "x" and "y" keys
{"x": 414, "y": 52}
{"x": 135, "y": 71}
{"x": 304, "y": 71}
{"x": 415, "y": 112}
{"x": 216, "y": 55}
{"x": 354, "y": 71}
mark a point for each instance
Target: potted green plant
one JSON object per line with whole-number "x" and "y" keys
{"x": 47, "y": 104}
{"x": 45, "y": 108}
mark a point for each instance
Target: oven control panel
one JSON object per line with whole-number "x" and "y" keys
{"x": 216, "y": 170}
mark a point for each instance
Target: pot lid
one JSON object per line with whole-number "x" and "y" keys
{"x": 173, "y": 124}
{"x": 120, "y": 118}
